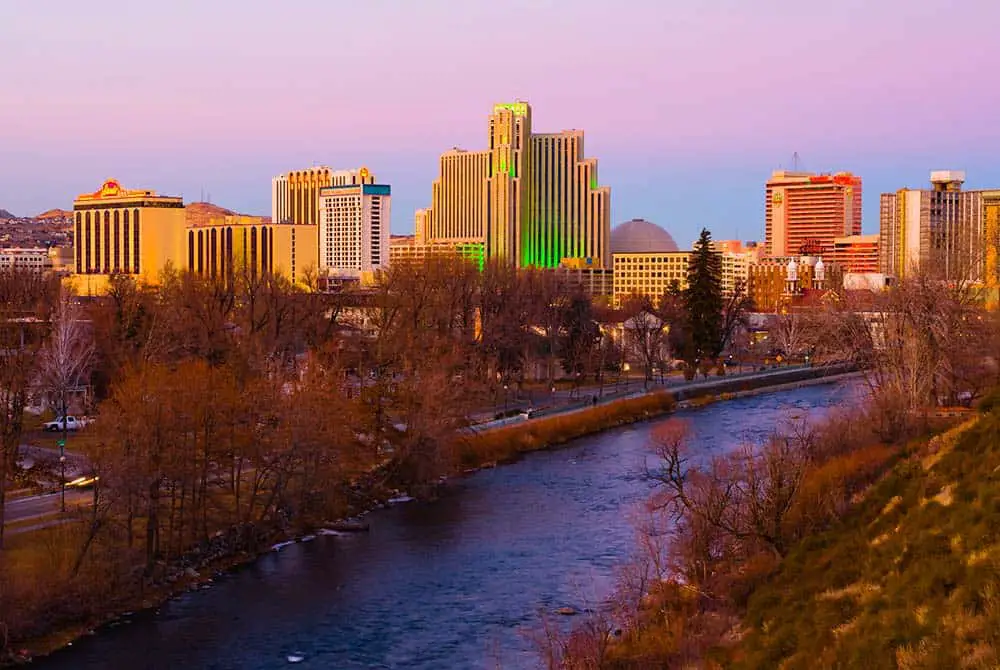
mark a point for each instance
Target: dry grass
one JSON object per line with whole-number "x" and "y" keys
{"x": 507, "y": 443}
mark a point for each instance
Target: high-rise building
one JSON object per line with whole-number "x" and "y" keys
{"x": 533, "y": 200}
{"x": 937, "y": 230}
{"x": 232, "y": 244}
{"x": 354, "y": 229}
{"x": 458, "y": 198}
{"x": 295, "y": 195}
{"x": 990, "y": 202}
{"x": 118, "y": 230}
{"x": 804, "y": 211}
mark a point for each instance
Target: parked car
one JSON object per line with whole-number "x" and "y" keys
{"x": 72, "y": 423}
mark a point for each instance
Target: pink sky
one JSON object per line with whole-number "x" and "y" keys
{"x": 688, "y": 105}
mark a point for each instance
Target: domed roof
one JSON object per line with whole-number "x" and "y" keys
{"x": 639, "y": 236}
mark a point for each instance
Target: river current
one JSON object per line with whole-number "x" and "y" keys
{"x": 453, "y": 583}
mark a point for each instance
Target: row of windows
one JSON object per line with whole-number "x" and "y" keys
{"x": 676, "y": 274}
{"x": 93, "y": 257}
{"x": 204, "y": 249}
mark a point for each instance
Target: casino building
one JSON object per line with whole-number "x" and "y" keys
{"x": 129, "y": 231}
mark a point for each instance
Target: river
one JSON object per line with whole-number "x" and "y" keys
{"x": 453, "y": 583}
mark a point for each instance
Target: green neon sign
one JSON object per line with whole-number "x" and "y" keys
{"x": 593, "y": 183}
{"x": 518, "y": 108}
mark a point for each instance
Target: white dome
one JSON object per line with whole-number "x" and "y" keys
{"x": 639, "y": 237}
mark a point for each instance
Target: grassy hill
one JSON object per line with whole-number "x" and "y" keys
{"x": 911, "y": 579}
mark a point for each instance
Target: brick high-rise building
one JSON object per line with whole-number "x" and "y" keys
{"x": 804, "y": 212}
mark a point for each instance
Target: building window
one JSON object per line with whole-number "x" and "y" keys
{"x": 190, "y": 251}
{"x": 116, "y": 262}
{"x": 78, "y": 241}
{"x": 135, "y": 242}
{"x": 96, "y": 266}
{"x": 125, "y": 247}
{"x": 229, "y": 251}
{"x": 264, "y": 266}
{"x": 253, "y": 251}
{"x": 201, "y": 251}
{"x": 214, "y": 252}
{"x": 107, "y": 242}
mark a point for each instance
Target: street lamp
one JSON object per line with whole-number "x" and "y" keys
{"x": 505, "y": 399}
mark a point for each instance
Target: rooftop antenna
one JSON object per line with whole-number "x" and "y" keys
{"x": 795, "y": 161}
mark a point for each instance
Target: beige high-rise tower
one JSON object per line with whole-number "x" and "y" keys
{"x": 531, "y": 200}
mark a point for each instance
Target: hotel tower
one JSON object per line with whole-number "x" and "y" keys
{"x": 128, "y": 231}
{"x": 943, "y": 230}
{"x": 805, "y": 212}
{"x": 529, "y": 199}
{"x": 295, "y": 194}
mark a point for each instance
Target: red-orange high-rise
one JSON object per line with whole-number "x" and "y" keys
{"x": 804, "y": 211}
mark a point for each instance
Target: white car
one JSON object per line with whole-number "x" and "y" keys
{"x": 72, "y": 423}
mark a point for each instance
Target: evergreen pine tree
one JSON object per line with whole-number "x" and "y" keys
{"x": 703, "y": 298}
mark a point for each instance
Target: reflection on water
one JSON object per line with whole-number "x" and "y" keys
{"x": 448, "y": 584}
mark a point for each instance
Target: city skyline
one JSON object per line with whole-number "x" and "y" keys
{"x": 686, "y": 132}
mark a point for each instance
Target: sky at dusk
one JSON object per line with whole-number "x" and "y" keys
{"x": 687, "y": 105}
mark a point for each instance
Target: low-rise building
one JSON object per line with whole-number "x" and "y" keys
{"x": 234, "y": 243}
{"x": 856, "y": 253}
{"x": 774, "y": 282}
{"x": 410, "y": 249}
{"x": 575, "y": 275}
{"x": 36, "y": 259}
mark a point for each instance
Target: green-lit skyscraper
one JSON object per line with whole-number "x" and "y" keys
{"x": 530, "y": 199}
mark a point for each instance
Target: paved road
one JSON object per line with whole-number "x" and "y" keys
{"x": 45, "y": 505}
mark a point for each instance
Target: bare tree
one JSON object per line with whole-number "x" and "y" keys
{"x": 16, "y": 372}
{"x": 735, "y": 306}
{"x": 921, "y": 344}
{"x": 64, "y": 363}
{"x": 741, "y": 499}
{"x": 645, "y": 335}
{"x": 790, "y": 331}
{"x": 24, "y": 300}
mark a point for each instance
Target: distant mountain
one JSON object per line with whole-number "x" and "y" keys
{"x": 54, "y": 214}
{"x": 4, "y": 214}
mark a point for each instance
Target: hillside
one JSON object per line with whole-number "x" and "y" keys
{"x": 910, "y": 580}
{"x": 200, "y": 213}
{"x": 54, "y": 214}
{"x": 4, "y": 214}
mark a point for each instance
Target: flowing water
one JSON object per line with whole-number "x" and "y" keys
{"x": 453, "y": 583}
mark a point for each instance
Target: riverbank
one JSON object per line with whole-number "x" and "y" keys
{"x": 533, "y": 435}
